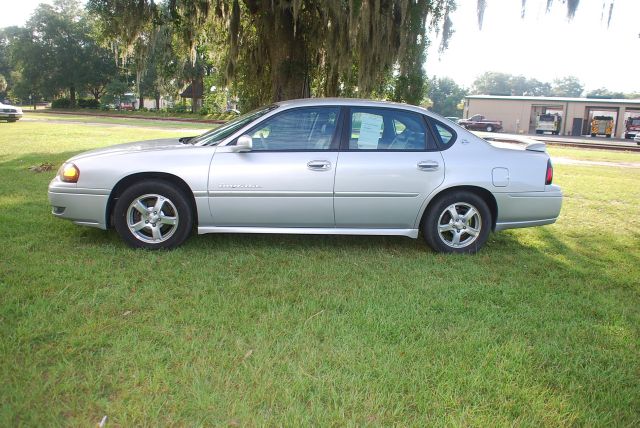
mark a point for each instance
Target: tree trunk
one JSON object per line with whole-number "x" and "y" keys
{"x": 157, "y": 100}
{"x": 288, "y": 57}
{"x": 141, "y": 104}
{"x": 331, "y": 84}
{"x": 72, "y": 96}
{"x": 193, "y": 96}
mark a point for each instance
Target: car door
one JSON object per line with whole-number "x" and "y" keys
{"x": 387, "y": 167}
{"x": 286, "y": 180}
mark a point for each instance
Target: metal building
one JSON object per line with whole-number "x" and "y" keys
{"x": 518, "y": 113}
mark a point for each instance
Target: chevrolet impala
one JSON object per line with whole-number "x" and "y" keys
{"x": 313, "y": 166}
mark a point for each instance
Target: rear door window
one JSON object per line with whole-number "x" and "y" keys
{"x": 384, "y": 129}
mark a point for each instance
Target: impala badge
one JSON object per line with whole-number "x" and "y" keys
{"x": 239, "y": 186}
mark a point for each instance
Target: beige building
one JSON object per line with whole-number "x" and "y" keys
{"x": 518, "y": 113}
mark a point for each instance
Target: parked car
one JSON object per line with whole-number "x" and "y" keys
{"x": 314, "y": 166}
{"x": 478, "y": 122}
{"x": 637, "y": 139}
{"x": 10, "y": 113}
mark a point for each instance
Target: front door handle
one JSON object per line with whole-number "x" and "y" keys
{"x": 428, "y": 165}
{"x": 319, "y": 165}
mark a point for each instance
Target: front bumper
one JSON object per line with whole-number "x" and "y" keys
{"x": 528, "y": 208}
{"x": 87, "y": 207}
{"x": 10, "y": 116}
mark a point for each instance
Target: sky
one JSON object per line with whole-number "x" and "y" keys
{"x": 543, "y": 45}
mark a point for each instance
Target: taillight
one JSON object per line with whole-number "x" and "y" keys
{"x": 549, "y": 176}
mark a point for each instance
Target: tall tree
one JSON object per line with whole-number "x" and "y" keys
{"x": 56, "y": 52}
{"x": 335, "y": 47}
{"x": 569, "y": 86}
{"x": 604, "y": 93}
{"x": 446, "y": 95}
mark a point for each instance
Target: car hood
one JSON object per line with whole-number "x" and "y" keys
{"x": 135, "y": 147}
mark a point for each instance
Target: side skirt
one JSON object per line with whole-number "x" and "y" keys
{"x": 411, "y": 233}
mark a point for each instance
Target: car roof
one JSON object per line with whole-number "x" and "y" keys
{"x": 359, "y": 102}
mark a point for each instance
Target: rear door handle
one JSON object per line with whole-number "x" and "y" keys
{"x": 428, "y": 165}
{"x": 319, "y": 165}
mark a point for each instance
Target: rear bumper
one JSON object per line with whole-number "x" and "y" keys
{"x": 85, "y": 207}
{"x": 528, "y": 208}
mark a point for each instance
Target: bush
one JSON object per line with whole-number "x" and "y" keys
{"x": 88, "y": 103}
{"x": 61, "y": 103}
{"x": 204, "y": 111}
{"x": 182, "y": 109}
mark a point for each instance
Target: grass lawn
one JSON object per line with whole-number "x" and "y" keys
{"x": 541, "y": 328}
{"x": 133, "y": 121}
{"x": 141, "y": 113}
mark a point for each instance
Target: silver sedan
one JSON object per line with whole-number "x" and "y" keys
{"x": 10, "y": 113}
{"x": 314, "y": 166}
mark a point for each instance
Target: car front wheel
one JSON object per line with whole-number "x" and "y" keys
{"x": 154, "y": 215}
{"x": 458, "y": 222}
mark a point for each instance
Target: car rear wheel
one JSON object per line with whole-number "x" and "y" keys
{"x": 458, "y": 222}
{"x": 154, "y": 215}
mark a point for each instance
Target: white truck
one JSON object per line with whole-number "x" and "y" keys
{"x": 548, "y": 123}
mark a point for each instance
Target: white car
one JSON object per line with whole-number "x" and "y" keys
{"x": 10, "y": 113}
{"x": 314, "y": 166}
{"x": 637, "y": 139}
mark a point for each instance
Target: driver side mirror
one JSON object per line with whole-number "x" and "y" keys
{"x": 244, "y": 143}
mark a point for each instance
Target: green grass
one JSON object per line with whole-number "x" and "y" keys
{"x": 98, "y": 119}
{"x": 541, "y": 328}
{"x": 138, "y": 113}
{"x": 594, "y": 154}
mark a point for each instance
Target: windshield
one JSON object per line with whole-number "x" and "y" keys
{"x": 216, "y": 135}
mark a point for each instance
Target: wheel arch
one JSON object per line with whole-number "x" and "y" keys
{"x": 138, "y": 177}
{"x": 481, "y": 192}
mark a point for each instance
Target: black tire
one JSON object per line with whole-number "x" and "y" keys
{"x": 439, "y": 214}
{"x": 166, "y": 228}
{"x": 489, "y": 128}
{"x": 593, "y": 135}
{"x": 608, "y": 135}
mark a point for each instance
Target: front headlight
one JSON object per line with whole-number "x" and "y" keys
{"x": 69, "y": 173}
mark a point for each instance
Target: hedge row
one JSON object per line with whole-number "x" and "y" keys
{"x": 82, "y": 103}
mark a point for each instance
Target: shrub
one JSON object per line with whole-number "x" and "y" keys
{"x": 88, "y": 103}
{"x": 61, "y": 103}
